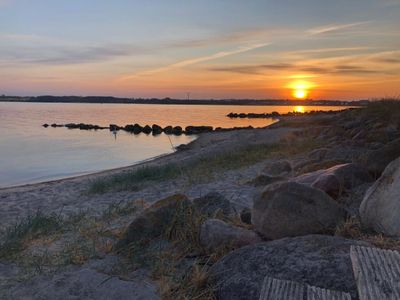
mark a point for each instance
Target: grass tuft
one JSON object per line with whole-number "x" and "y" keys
{"x": 203, "y": 169}
{"x": 131, "y": 181}
{"x": 29, "y": 228}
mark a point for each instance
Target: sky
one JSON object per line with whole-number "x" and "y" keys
{"x": 212, "y": 49}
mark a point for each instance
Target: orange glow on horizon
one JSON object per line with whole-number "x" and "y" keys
{"x": 300, "y": 94}
{"x": 300, "y": 88}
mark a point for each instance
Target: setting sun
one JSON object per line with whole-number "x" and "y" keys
{"x": 300, "y": 88}
{"x": 300, "y": 94}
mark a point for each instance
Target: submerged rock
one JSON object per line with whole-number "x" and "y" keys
{"x": 177, "y": 130}
{"x": 215, "y": 234}
{"x": 318, "y": 260}
{"x": 293, "y": 209}
{"x": 168, "y": 130}
{"x": 114, "y": 127}
{"x": 156, "y": 129}
{"x": 198, "y": 129}
{"x": 147, "y": 129}
{"x": 380, "y": 208}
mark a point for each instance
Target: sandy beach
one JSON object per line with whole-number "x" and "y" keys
{"x": 164, "y": 228}
{"x": 68, "y": 196}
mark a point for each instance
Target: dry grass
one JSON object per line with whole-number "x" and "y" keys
{"x": 353, "y": 229}
{"x": 44, "y": 243}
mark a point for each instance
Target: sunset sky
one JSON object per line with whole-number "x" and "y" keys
{"x": 342, "y": 49}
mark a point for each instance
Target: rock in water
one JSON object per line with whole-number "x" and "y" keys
{"x": 153, "y": 221}
{"x": 215, "y": 233}
{"x": 156, "y": 129}
{"x": 293, "y": 209}
{"x": 318, "y": 260}
{"x": 334, "y": 180}
{"x": 380, "y": 208}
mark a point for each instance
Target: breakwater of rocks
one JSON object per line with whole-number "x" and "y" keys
{"x": 277, "y": 115}
{"x": 147, "y": 129}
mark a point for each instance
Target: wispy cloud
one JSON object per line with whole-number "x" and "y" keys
{"x": 235, "y": 37}
{"x": 330, "y": 50}
{"x": 334, "y": 28}
{"x": 67, "y": 55}
{"x": 197, "y": 60}
{"x": 338, "y": 69}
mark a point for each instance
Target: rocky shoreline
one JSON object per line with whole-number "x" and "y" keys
{"x": 212, "y": 222}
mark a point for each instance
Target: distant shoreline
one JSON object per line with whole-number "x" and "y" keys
{"x": 169, "y": 101}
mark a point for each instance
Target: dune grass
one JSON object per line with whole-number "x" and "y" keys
{"x": 28, "y": 228}
{"x": 202, "y": 169}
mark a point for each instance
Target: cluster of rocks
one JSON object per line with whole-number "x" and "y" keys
{"x": 147, "y": 129}
{"x": 276, "y": 114}
{"x": 289, "y": 231}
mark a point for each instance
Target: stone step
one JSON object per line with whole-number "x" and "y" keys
{"x": 377, "y": 273}
{"x": 275, "y": 289}
{"x": 316, "y": 293}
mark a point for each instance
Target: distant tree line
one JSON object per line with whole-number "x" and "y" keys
{"x": 110, "y": 99}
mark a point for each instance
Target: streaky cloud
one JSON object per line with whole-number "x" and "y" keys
{"x": 334, "y": 28}
{"x": 197, "y": 60}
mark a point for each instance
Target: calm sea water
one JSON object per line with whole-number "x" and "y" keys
{"x": 30, "y": 153}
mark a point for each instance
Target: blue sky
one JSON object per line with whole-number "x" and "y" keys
{"x": 215, "y": 49}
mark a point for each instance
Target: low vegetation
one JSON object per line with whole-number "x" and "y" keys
{"x": 352, "y": 229}
{"x": 45, "y": 242}
{"x": 203, "y": 169}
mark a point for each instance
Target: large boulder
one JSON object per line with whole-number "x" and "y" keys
{"x": 336, "y": 179}
{"x": 380, "y": 208}
{"x": 153, "y": 221}
{"x": 377, "y": 160}
{"x": 215, "y": 233}
{"x": 318, "y": 260}
{"x": 213, "y": 203}
{"x": 293, "y": 209}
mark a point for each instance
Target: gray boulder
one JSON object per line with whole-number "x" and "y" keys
{"x": 212, "y": 203}
{"x": 215, "y": 233}
{"x": 153, "y": 221}
{"x": 380, "y": 208}
{"x": 318, "y": 260}
{"x": 376, "y": 161}
{"x": 278, "y": 168}
{"x": 293, "y": 209}
{"x": 336, "y": 179}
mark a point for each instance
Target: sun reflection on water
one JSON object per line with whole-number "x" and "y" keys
{"x": 299, "y": 109}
